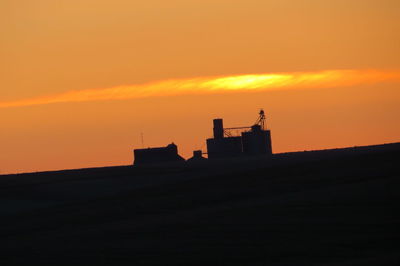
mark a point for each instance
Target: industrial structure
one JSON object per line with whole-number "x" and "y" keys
{"x": 197, "y": 157}
{"x": 157, "y": 155}
{"x": 253, "y": 140}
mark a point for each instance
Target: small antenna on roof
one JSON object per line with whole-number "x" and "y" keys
{"x": 141, "y": 136}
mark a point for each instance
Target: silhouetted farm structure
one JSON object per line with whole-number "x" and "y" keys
{"x": 253, "y": 140}
{"x": 160, "y": 155}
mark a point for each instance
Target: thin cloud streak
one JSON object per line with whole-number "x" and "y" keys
{"x": 208, "y": 85}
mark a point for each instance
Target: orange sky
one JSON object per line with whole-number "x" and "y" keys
{"x": 50, "y": 48}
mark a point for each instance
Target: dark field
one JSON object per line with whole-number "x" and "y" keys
{"x": 296, "y": 209}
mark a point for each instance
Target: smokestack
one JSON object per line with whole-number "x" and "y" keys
{"x": 218, "y": 128}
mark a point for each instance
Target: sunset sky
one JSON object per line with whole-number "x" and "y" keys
{"x": 81, "y": 80}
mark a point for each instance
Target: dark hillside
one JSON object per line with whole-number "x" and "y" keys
{"x": 331, "y": 208}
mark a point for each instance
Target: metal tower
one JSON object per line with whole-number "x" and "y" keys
{"x": 261, "y": 119}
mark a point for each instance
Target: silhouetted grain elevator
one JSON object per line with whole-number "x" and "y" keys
{"x": 254, "y": 140}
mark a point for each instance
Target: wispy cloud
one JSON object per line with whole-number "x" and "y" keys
{"x": 208, "y": 85}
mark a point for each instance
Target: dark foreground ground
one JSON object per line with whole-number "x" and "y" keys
{"x": 292, "y": 210}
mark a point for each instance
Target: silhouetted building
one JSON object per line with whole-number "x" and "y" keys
{"x": 221, "y": 146}
{"x": 197, "y": 156}
{"x": 157, "y": 155}
{"x": 218, "y": 128}
{"x": 254, "y": 140}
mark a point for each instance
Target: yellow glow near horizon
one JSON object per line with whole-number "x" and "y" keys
{"x": 239, "y": 83}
